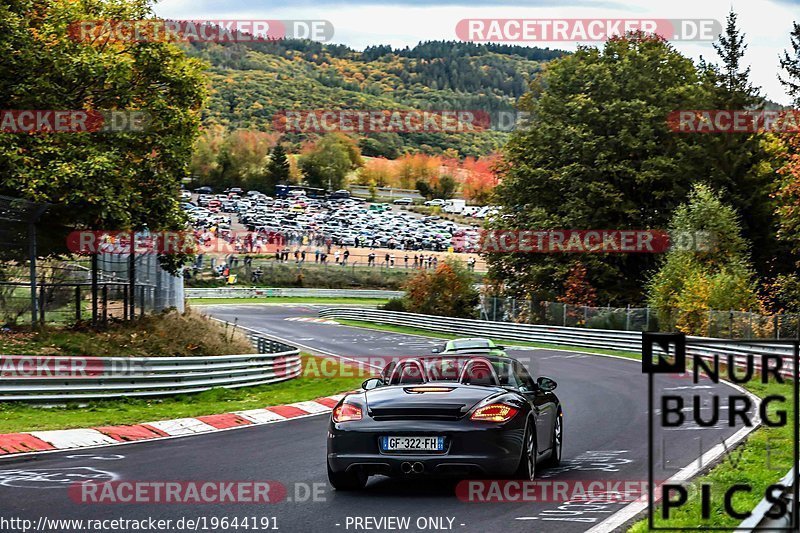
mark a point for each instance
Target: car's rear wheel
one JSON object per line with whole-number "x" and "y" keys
{"x": 558, "y": 441}
{"x": 527, "y": 462}
{"x": 355, "y": 479}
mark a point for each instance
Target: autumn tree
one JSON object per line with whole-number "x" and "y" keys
{"x": 327, "y": 163}
{"x": 479, "y": 179}
{"x": 377, "y": 171}
{"x": 577, "y": 289}
{"x": 242, "y": 160}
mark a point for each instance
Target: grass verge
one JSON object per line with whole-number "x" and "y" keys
{"x": 437, "y": 335}
{"x": 158, "y": 335}
{"x": 763, "y": 459}
{"x": 16, "y": 416}
{"x": 288, "y": 300}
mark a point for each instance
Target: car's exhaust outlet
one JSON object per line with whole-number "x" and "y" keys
{"x": 418, "y": 468}
{"x": 406, "y": 468}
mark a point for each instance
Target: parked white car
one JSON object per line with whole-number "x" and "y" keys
{"x": 436, "y": 202}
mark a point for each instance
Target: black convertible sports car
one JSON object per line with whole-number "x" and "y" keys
{"x": 446, "y": 415}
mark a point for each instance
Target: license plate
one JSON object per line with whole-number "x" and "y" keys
{"x": 410, "y": 444}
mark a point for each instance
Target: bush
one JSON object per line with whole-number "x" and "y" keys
{"x": 448, "y": 291}
{"x": 394, "y": 304}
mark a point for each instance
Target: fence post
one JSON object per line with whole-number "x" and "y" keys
{"x": 647, "y": 318}
{"x": 77, "y": 303}
{"x": 628, "y": 318}
{"x": 105, "y": 303}
{"x": 41, "y": 304}
{"x": 730, "y": 332}
{"x": 124, "y": 302}
{"x": 132, "y": 277}
{"x": 564, "y": 315}
{"x": 141, "y": 304}
{"x": 32, "y": 274}
{"x": 94, "y": 289}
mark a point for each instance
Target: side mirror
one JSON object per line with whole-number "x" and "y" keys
{"x": 435, "y": 350}
{"x": 546, "y": 384}
{"x": 499, "y": 347}
{"x": 372, "y": 383}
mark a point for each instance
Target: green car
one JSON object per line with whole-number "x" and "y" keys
{"x": 471, "y": 345}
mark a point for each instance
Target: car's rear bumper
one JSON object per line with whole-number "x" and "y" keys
{"x": 491, "y": 450}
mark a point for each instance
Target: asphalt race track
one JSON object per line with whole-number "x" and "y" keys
{"x": 605, "y": 417}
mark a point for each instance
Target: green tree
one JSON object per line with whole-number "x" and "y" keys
{"x": 597, "y": 153}
{"x": 116, "y": 180}
{"x": 277, "y": 168}
{"x": 242, "y": 159}
{"x": 329, "y": 162}
{"x": 741, "y": 167}
{"x": 716, "y": 276}
{"x": 447, "y": 291}
{"x": 790, "y": 62}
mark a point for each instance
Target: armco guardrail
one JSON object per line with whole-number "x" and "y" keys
{"x": 627, "y": 341}
{"x": 25, "y": 378}
{"x": 264, "y": 292}
{"x": 759, "y": 518}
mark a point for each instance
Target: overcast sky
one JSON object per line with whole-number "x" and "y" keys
{"x": 360, "y": 23}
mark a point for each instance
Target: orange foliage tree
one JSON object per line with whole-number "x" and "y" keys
{"x": 577, "y": 289}
{"x": 447, "y": 291}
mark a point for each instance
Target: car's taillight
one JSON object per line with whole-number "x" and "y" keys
{"x": 346, "y": 413}
{"x": 496, "y": 412}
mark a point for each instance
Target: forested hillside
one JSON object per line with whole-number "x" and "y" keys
{"x": 250, "y": 82}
